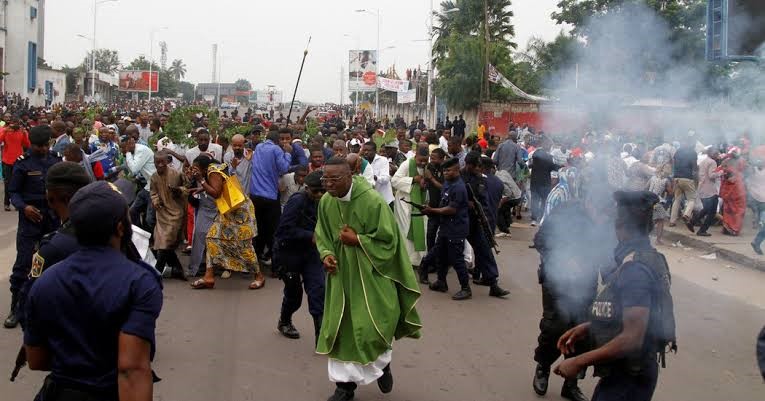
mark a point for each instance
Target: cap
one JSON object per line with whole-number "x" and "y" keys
{"x": 391, "y": 145}
{"x": 97, "y": 203}
{"x": 67, "y": 174}
{"x": 297, "y": 140}
{"x": 313, "y": 180}
{"x": 40, "y": 135}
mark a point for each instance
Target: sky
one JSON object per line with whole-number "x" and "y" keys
{"x": 263, "y": 42}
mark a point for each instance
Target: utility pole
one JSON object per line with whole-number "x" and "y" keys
{"x": 486, "y": 47}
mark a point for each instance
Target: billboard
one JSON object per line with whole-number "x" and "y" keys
{"x": 138, "y": 81}
{"x": 362, "y": 70}
{"x": 735, "y": 29}
{"x": 266, "y": 96}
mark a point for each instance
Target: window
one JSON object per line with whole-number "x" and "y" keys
{"x": 32, "y": 66}
{"x": 32, "y": 12}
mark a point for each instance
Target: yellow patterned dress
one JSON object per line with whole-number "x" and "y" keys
{"x": 229, "y": 241}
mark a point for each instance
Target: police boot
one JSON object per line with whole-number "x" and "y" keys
{"x": 343, "y": 392}
{"x": 12, "y": 321}
{"x": 497, "y": 291}
{"x": 423, "y": 272}
{"x": 385, "y": 382}
{"x": 571, "y": 391}
{"x": 286, "y": 328}
{"x": 439, "y": 286}
{"x": 316, "y": 328}
{"x": 463, "y": 294}
{"x": 541, "y": 379}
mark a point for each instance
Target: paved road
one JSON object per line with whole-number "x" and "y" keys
{"x": 223, "y": 345}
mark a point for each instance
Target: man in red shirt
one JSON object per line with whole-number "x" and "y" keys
{"x": 14, "y": 141}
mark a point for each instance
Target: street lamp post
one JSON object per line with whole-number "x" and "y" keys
{"x": 377, "y": 88}
{"x": 151, "y": 55}
{"x": 96, "y": 3}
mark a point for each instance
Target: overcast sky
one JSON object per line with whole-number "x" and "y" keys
{"x": 262, "y": 41}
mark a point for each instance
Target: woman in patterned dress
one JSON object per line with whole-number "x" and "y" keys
{"x": 229, "y": 240}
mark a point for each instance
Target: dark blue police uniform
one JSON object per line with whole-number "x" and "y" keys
{"x": 434, "y": 200}
{"x": 449, "y": 248}
{"x": 76, "y": 309}
{"x": 630, "y": 285}
{"x": 54, "y": 247}
{"x": 494, "y": 190}
{"x": 298, "y": 257}
{"x": 27, "y": 187}
{"x": 485, "y": 264}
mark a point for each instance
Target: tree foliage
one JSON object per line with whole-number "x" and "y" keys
{"x": 107, "y": 61}
{"x": 242, "y": 84}
{"x": 548, "y": 61}
{"x": 686, "y": 20}
{"x": 177, "y": 69}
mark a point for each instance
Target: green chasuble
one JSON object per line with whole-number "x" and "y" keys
{"x": 417, "y": 226}
{"x": 370, "y": 299}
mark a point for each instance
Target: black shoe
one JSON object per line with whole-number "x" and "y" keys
{"x": 497, "y": 291}
{"x": 439, "y": 286}
{"x": 7, "y": 208}
{"x": 463, "y": 294}
{"x": 288, "y": 330}
{"x": 482, "y": 281}
{"x": 423, "y": 272}
{"x": 703, "y": 234}
{"x": 11, "y": 321}
{"x": 571, "y": 391}
{"x": 690, "y": 227}
{"x": 177, "y": 273}
{"x": 385, "y": 382}
{"x": 756, "y": 248}
{"x": 541, "y": 379}
{"x": 342, "y": 394}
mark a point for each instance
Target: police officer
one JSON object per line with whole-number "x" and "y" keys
{"x": 93, "y": 315}
{"x": 485, "y": 263}
{"x": 27, "y": 188}
{"x": 296, "y": 253}
{"x": 568, "y": 273}
{"x": 623, "y": 316}
{"x": 453, "y": 227}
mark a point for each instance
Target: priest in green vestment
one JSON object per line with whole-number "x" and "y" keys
{"x": 408, "y": 186}
{"x": 371, "y": 288}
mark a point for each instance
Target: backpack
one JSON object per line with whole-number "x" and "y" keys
{"x": 662, "y": 319}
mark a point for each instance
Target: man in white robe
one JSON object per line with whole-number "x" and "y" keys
{"x": 408, "y": 178}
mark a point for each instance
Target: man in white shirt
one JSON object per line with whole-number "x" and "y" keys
{"x": 204, "y": 146}
{"x": 292, "y": 183}
{"x": 144, "y": 130}
{"x": 443, "y": 141}
{"x": 139, "y": 161}
{"x": 381, "y": 171}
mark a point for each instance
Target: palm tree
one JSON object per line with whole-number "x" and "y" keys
{"x": 177, "y": 69}
{"x": 469, "y": 21}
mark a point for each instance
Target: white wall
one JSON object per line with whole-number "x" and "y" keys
{"x": 20, "y": 31}
{"x": 59, "y": 85}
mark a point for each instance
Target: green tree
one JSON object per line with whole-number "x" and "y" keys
{"x": 549, "y": 60}
{"x": 187, "y": 88}
{"x": 686, "y": 20}
{"x": 243, "y": 84}
{"x": 107, "y": 61}
{"x": 177, "y": 69}
{"x": 470, "y": 21}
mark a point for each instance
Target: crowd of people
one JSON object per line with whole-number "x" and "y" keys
{"x": 353, "y": 217}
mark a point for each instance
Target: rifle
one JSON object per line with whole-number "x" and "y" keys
{"x": 482, "y": 220}
{"x": 414, "y": 205}
{"x": 21, "y": 360}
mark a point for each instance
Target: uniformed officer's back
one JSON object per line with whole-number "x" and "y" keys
{"x": 86, "y": 311}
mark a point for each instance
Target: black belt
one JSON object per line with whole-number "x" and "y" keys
{"x": 54, "y": 390}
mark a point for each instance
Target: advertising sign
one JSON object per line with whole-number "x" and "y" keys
{"x": 266, "y": 96}
{"x": 409, "y": 96}
{"x": 138, "y": 81}
{"x": 393, "y": 85}
{"x": 362, "y": 70}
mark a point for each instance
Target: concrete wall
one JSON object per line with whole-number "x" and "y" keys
{"x": 58, "y": 78}
{"x": 20, "y": 30}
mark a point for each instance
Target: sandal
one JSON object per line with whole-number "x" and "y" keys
{"x": 259, "y": 282}
{"x": 201, "y": 284}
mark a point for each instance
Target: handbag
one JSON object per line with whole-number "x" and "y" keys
{"x": 232, "y": 196}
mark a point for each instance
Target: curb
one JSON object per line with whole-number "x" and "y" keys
{"x": 726, "y": 254}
